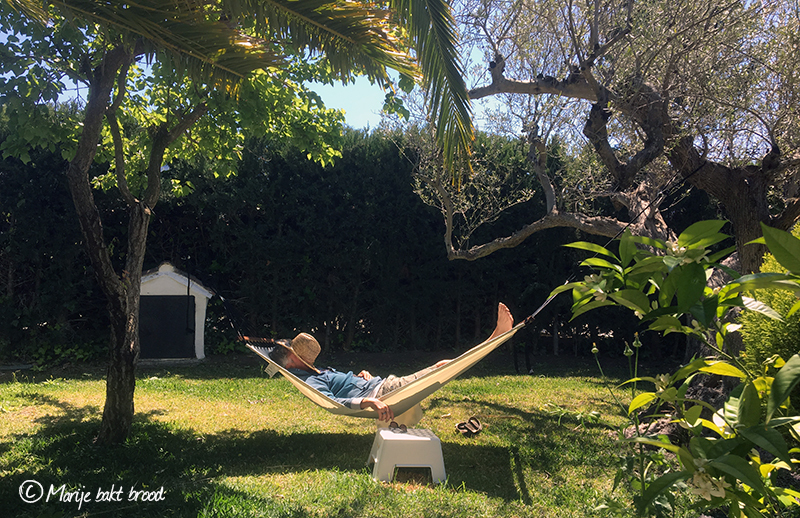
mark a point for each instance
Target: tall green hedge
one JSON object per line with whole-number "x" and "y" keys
{"x": 347, "y": 252}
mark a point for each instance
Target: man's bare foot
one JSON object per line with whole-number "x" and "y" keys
{"x": 505, "y": 320}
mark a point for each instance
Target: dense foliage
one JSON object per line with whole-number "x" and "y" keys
{"x": 50, "y": 304}
{"x": 763, "y": 336}
{"x": 733, "y": 455}
{"x": 346, "y": 251}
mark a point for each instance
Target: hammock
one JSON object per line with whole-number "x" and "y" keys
{"x": 406, "y": 397}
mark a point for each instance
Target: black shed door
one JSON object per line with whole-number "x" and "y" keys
{"x": 166, "y": 326}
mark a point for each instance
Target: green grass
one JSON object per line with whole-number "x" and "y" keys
{"x": 224, "y": 440}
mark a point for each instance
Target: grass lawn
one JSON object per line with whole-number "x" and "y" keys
{"x": 221, "y": 439}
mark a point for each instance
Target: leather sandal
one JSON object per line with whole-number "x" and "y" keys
{"x": 463, "y": 430}
{"x": 473, "y": 425}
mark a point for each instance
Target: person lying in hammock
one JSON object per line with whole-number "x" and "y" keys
{"x": 362, "y": 390}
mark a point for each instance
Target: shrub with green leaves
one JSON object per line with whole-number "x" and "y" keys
{"x": 765, "y": 337}
{"x": 721, "y": 464}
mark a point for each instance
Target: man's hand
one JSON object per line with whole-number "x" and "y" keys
{"x": 365, "y": 374}
{"x": 384, "y": 412}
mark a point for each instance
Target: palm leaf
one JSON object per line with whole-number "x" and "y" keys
{"x": 220, "y": 43}
{"x": 432, "y": 28}
{"x": 203, "y": 44}
{"x": 353, "y": 36}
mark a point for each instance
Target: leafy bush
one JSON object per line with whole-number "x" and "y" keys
{"x": 765, "y": 337}
{"x": 721, "y": 463}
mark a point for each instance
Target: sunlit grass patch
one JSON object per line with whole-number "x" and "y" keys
{"x": 231, "y": 442}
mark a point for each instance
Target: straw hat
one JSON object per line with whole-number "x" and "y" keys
{"x": 306, "y": 348}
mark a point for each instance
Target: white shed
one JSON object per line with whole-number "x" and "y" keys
{"x": 172, "y": 314}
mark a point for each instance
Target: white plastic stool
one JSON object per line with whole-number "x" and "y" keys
{"x": 416, "y": 448}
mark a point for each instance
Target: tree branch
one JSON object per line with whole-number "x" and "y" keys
{"x": 116, "y": 136}
{"x": 603, "y": 226}
{"x": 161, "y": 140}
{"x": 789, "y": 216}
{"x": 646, "y": 107}
{"x": 119, "y": 160}
{"x": 444, "y": 197}
{"x": 537, "y": 156}
{"x": 101, "y": 81}
{"x": 574, "y": 87}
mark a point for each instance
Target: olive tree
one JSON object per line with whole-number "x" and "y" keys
{"x": 644, "y": 95}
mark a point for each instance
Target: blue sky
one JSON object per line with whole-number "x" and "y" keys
{"x": 361, "y": 101}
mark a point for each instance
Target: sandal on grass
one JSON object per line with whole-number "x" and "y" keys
{"x": 469, "y": 427}
{"x": 463, "y": 430}
{"x": 473, "y": 425}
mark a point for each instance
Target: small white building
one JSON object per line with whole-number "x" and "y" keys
{"x": 172, "y": 314}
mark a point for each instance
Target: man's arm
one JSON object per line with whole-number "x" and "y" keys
{"x": 384, "y": 411}
{"x": 319, "y": 383}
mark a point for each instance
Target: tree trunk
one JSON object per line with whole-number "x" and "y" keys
{"x": 742, "y": 192}
{"x": 120, "y": 378}
{"x": 124, "y": 347}
{"x": 116, "y": 427}
{"x": 121, "y": 291}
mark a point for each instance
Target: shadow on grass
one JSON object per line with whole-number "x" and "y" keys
{"x": 551, "y": 447}
{"x": 179, "y": 469}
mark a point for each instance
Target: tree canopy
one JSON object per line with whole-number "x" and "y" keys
{"x": 645, "y": 95}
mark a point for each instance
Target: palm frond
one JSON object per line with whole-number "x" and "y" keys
{"x": 353, "y": 36}
{"x": 433, "y": 30}
{"x": 206, "y": 46}
{"x": 33, "y": 9}
{"x": 221, "y": 42}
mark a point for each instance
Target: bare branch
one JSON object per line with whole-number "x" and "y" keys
{"x": 597, "y": 225}
{"x": 448, "y": 211}
{"x": 537, "y": 156}
{"x": 575, "y": 87}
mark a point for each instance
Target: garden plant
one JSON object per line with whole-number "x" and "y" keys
{"x": 731, "y": 456}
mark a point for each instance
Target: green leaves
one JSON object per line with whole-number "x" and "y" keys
{"x": 768, "y": 439}
{"x": 784, "y": 246}
{"x": 667, "y": 287}
{"x": 670, "y": 289}
{"x": 785, "y": 381}
{"x": 659, "y": 485}
{"x": 740, "y": 469}
{"x": 702, "y": 234}
{"x": 722, "y": 368}
{"x": 749, "y": 410}
{"x": 643, "y": 399}
{"x": 591, "y": 247}
{"x": 632, "y": 299}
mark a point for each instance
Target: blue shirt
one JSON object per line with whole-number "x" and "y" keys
{"x": 344, "y": 388}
